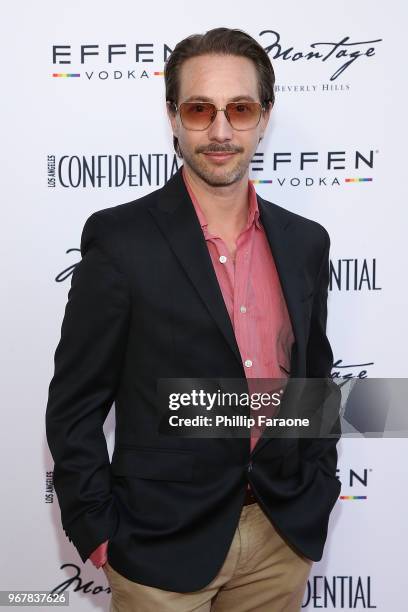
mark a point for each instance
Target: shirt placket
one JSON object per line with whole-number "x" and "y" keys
{"x": 243, "y": 310}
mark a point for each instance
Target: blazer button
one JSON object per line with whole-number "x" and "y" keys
{"x": 250, "y": 466}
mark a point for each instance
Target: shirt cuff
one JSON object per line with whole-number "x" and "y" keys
{"x": 100, "y": 555}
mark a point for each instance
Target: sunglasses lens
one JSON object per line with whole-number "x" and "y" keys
{"x": 244, "y": 115}
{"x": 196, "y": 115}
{"x": 199, "y": 115}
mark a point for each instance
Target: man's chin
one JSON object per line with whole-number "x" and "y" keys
{"x": 219, "y": 177}
{"x": 222, "y": 182}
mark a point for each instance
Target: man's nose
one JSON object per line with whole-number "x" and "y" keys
{"x": 220, "y": 129}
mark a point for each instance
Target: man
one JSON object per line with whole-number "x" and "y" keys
{"x": 199, "y": 279}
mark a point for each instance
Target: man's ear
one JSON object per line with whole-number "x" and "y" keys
{"x": 268, "y": 108}
{"x": 172, "y": 115}
{"x": 265, "y": 118}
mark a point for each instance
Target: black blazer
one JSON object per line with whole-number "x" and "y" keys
{"x": 145, "y": 303}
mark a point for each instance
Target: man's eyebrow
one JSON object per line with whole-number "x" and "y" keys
{"x": 207, "y": 99}
{"x": 247, "y": 98}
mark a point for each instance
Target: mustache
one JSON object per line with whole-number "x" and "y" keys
{"x": 216, "y": 148}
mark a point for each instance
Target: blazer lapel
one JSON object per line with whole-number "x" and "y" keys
{"x": 174, "y": 212}
{"x": 284, "y": 250}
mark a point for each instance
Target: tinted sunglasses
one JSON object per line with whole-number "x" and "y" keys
{"x": 200, "y": 115}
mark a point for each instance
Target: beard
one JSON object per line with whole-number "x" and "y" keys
{"x": 217, "y": 176}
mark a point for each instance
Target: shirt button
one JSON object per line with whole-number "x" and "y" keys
{"x": 248, "y": 363}
{"x": 243, "y": 308}
{"x": 223, "y": 259}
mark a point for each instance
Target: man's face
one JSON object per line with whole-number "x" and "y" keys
{"x": 219, "y": 155}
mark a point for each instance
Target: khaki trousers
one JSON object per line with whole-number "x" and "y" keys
{"x": 261, "y": 573}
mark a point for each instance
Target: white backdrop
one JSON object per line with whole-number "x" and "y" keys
{"x": 117, "y": 109}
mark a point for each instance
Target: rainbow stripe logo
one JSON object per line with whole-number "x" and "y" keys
{"x": 261, "y": 181}
{"x": 357, "y": 180}
{"x": 66, "y": 74}
{"x": 353, "y": 497}
{"x": 158, "y": 73}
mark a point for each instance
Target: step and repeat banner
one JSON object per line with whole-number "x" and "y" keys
{"x": 84, "y": 128}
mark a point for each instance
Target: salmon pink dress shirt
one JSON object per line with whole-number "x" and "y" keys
{"x": 254, "y": 300}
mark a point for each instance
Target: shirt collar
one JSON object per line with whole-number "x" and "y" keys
{"x": 253, "y": 209}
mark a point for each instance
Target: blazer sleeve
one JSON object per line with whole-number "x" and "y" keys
{"x": 87, "y": 368}
{"x": 319, "y": 364}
